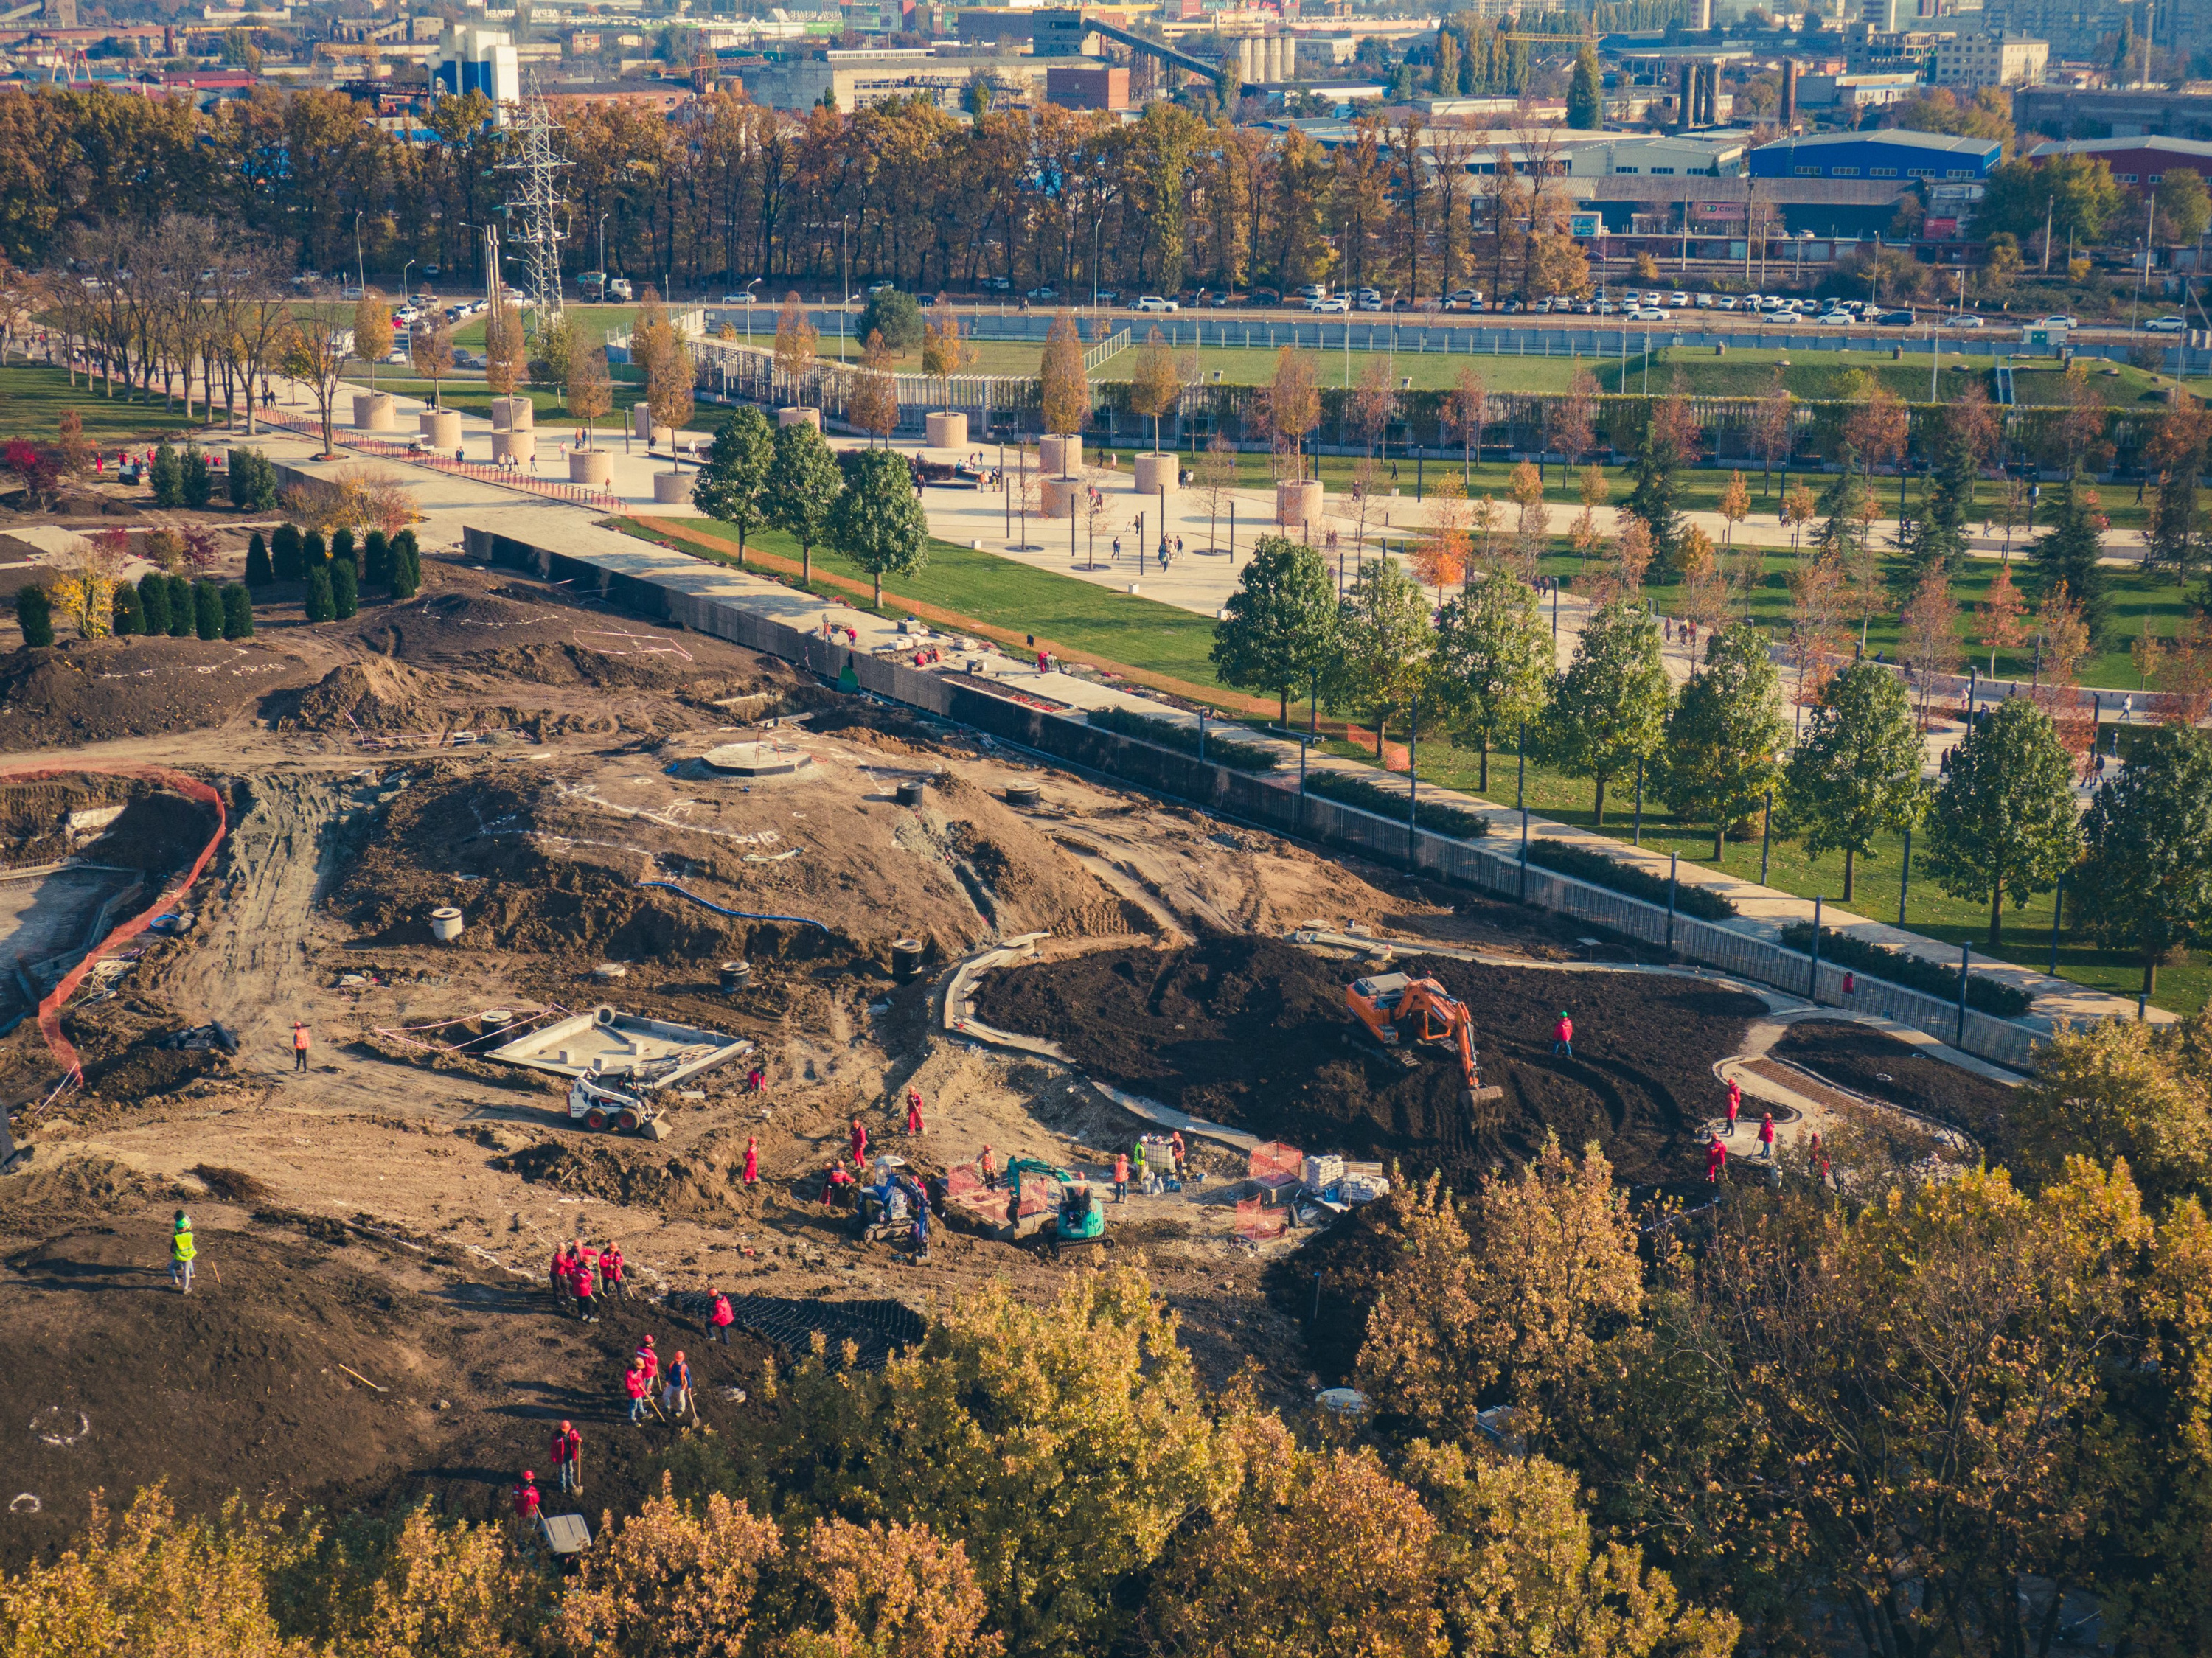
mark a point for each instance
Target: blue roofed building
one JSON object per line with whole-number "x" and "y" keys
{"x": 1892, "y": 154}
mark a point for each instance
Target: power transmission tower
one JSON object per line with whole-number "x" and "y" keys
{"x": 538, "y": 204}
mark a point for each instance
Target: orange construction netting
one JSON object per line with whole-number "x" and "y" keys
{"x": 1256, "y": 1220}
{"x": 1274, "y": 1160}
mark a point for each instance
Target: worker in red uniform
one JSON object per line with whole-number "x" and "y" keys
{"x": 752, "y": 1160}
{"x": 913, "y": 1112}
{"x": 1766, "y": 1135}
{"x": 568, "y": 1460}
{"x": 1735, "y": 1103}
{"x": 1819, "y": 1157}
{"x": 859, "y": 1145}
{"x": 676, "y": 1392}
{"x": 299, "y": 1046}
{"x": 1716, "y": 1160}
{"x": 1563, "y": 1036}
{"x": 1120, "y": 1177}
{"x": 525, "y": 1500}
{"x": 834, "y": 1184}
{"x": 636, "y": 1383}
{"x": 611, "y": 1272}
{"x": 719, "y": 1321}
{"x": 557, "y": 1274}
{"x": 755, "y": 1081}
{"x": 586, "y": 1307}
{"x": 1178, "y": 1153}
{"x": 646, "y": 1355}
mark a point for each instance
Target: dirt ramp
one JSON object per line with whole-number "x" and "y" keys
{"x": 1255, "y": 1033}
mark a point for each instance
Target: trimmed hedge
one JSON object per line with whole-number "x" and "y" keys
{"x": 1983, "y": 995}
{"x": 1601, "y": 871}
{"x": 1389, "y": 800}
{"x": 1237, "y": 756}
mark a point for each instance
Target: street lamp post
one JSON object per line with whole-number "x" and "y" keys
{"x": 403, "y": 269}
{"x": 1097, "y": 225}
{"x": 602, "y": 254}
{"x": 360, "y": 271}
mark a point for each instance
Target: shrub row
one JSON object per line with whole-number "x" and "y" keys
{"x": 1437, "y": 816}
{"x": 1601, "y": 871}
{"x": 1237, "y": 756}
{"x": 1931, "y": 978}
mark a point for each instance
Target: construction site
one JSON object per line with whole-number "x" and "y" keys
{"x": 400, "y": 952}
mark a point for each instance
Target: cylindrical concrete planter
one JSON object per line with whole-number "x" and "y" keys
{"x": 663, "y": 437}
{"x": 1298, "y": 505}
{"x": 799, "y": 417}
{"x": 1059, "y": 456}
{"x": 443, "y": 428}
{"x": 640, "y": 422}
{"x": 502, "y": 414}
{"x": 372, "y": 412}
{"x": 521, "y": 414}
{"x": 591, "y": 466}
{"x": 1155, "y": 473}
{"x": 514, "y": 445}
{"x": 671, "y": 489}
{"x": 1056, "y": 496}
{"x": 945, "y": 431}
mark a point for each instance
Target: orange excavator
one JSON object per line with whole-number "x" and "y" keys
{"x": 1402, "y": 1013}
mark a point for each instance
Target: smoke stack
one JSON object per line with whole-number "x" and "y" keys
{"x": 1788, "y": 94}
{"x": 1712, "y": 95}
{"x": 1683, "y": 118}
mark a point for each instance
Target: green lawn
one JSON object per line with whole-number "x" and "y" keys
{"x": 2138, "y": 601}
{"x": 1139, "y": 632}
{"x": 1929, "y": 910}
{"x": 33, "y": 396}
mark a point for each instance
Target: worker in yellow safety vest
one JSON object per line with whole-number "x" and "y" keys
{"x": 181, "y": 1253}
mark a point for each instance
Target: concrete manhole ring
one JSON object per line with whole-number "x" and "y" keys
{"x": 51, "y": 1425}
{"x": 25, "y": 1504}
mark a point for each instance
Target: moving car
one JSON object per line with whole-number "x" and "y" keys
{"x": 2166, "y": 325}
{"x": 1333, "y": 306}
{"x": 1154, "y": 302}
{"x": 1042, "y": 291}
{"x": 1964, "y": 319}
{"x": 1647, "y": 313}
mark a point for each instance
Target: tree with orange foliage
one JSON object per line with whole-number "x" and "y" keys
{"x": 2002, "y": 607}
{"x": 1440, "y": 557}
{"x": 2185, "y": 672}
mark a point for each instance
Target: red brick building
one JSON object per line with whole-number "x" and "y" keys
{"x": 1075, "y": 87}
{"x": 2139, "y": 161}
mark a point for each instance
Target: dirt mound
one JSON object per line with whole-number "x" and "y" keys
{"x": 82, "y": 692}
{"x": 454, "y": 625}
{"x": 1883, "y": 1068}
{"x": 374, "y": 696}
{"x": 1255, "y": 1033}
{"x": 553, "y": 863}
{"x": 45, "y": 1198}
{"x": 685, "y": 1187}
{"x": 241, "y": 1385}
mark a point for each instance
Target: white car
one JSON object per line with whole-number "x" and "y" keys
{"x": 1678, "y": 299}
{"x": 1333, "y": 307}
{"x": 1370, "y": 304}
{"x": 746, "y": 298}
{"x": 1464, "y": 299}
{"x": 1726, "y": 302}
{"x": 1964, "y": 319}
{"x": 1836, "y": 320}
{"x": 1154, "y": 302}
{"x": 1606, "y": 308}
{"x": 1780, "y": 318}
{"x": 1704, "y": 301}
{"x": 2058, "y": 322}
{"x": 2166, "y": 325}
{"x": 1647, "y": 313}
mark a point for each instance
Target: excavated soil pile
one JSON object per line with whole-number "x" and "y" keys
{"x": 81, "y": 692}
{"x": 369, "y": 696}
{"x": 551, "y": 864}
{"x": 238, "y": 1387}
{"x": 1255, "y": 1033}
{"x": 1883, "y": 1068}
{"x": 683, "y": 1186}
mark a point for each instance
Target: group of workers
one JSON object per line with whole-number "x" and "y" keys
{"x": 580, "y": 1275}
{"x": 1716, "y": 1148}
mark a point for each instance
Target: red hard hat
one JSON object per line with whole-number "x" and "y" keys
{"x": 648, "y": 1341}
{"x": 564, "y": 1427}
{"x": 528, "y": 1476}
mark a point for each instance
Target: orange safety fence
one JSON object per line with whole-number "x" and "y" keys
{"x": 1257, "y": 1221}
{"x": 1274, "y": 1160}
{"x": 50, "y": 1010}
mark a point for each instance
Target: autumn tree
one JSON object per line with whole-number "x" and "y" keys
{"x": 372, "y": 331}
{"x": 945, "y": 352}
{"x": 796, "y": 343}
{"x": 1156, "y": 385}
{"x": 430, "y": 349}
{"x": 1774, "y": 430}
{"x": 872, "y": 403}
{"x": 2174, "y": 540}
{"x": 1216, "y": 475}
{"x": 1930, "y": 644}
{"x": 504, "y": 355}
{"x": 2118, "y": 1091}
{"x": 1065, "y": 400}
{"x": 1293, "y": 406}
{"x": 1440, "y": 558}
{"x": 1466, "y": 408}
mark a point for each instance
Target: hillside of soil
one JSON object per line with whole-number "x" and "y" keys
{"x": 1255, "y": 1034}
{"x": 1898, "y": 1073}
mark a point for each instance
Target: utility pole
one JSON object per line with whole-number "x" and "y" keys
{"x": 2048, "y": 207}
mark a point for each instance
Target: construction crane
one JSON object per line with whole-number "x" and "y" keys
{"x": 1402, "y": 1013}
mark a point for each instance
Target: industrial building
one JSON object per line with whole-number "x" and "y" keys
{"x": 1889, "y": 154}
{"x": 2059, "y": 112}
{"x": 2139, "y": 161}
{"x": 478, "y": 60}
{"x": 1990, "y": 60}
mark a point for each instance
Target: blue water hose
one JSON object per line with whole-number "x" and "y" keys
{"x": 735, "y": 914}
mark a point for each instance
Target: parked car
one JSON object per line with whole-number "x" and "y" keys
{"x": 999, "y": 284}
{"x": 746, "y": 298}
{"x": 1647, "y": 313}
{"x": 1109, "y": 296}
{"x": 1334, "y": 307}
{"x": 1703, "y": 301}
{"x": 1463, "y": 298}
{"x": 1042, "y": 291}
{"x": 1678, "y": 299}
{"x": 1783, "y": 318}
{"x": 1605, "y": 308}
{"x": 1366, "y": 304}
{"x": 1154, "y": 302}
{"x": 2166, "y": 325}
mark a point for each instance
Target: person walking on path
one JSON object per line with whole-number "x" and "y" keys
{"x": 1716, "y": 1160}
{"x": 1766, "y": 1135}
{"x": 752, "y": 1160}
{"x": 676, "y": 1391}
{"x": 1735, "y": 1104}
{"x": 913, "y": 1112}
{"x": 182, "y": 1252}
{"x": 636, "y": 1383}
{"x": 299, "y": 1046}
{"x": 719, "y": 1321}
{"x": 1120, "y": 1177}
{"x": 568, "y": 1460}
{"x": 989, "y": 1166}
{"x": 1563, "y": 1036}
{"x": 859, "y": 1145}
